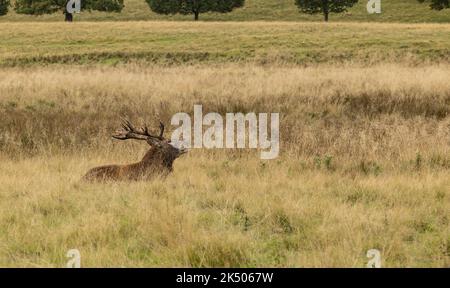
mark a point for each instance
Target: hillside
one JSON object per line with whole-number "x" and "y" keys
{"x": 266, "y": 10}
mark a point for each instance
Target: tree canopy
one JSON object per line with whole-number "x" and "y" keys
{"x": 4, "y": 6}
{"x": 194, "y": 7}
{"x": 437, "y": 4}
{"x": 324, "y": 6}
{"x": 39, "y": 7}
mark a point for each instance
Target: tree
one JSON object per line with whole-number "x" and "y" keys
{"x": 437, "y": 4}
{"x": 324, "y": 6}
{"x": 40, "y": 7}
{"x": 195, "y": 7}
{"x": 4, "y": 5}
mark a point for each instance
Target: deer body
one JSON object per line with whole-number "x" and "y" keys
{"x": 158, "y": 161}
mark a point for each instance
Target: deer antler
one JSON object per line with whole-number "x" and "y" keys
{"x": 130, "y": 132}
{"x": 161, "y": 129}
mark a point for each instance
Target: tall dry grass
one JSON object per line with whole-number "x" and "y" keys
{"x": 386, "y": 113}
{"x": 364, "y": 163}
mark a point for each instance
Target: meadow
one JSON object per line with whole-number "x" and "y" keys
{"x": 175, "y": 43}
{"x": 364, "y": 124}
{"x": 364, "y": 163}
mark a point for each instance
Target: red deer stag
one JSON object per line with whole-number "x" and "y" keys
{"x": 157, "y": 161}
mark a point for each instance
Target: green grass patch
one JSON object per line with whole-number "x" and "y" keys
{"x": 186, "y": 42}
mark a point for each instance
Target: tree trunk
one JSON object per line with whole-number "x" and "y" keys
{"x": 196, "y": 15}
{"x": 325, "y": 9}
{"x": 68, "y": 17}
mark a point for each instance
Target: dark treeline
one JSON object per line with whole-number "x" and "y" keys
{"x": 184, "y": 7}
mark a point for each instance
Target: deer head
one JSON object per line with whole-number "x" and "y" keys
{"x": 162, "y": 149}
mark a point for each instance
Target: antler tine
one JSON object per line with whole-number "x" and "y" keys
{"x": 145, "y": 129}
{"x": 161, "y": 127}
{"x": 125, "y": 127}
{"x": 130, "y": 126}
{"x": 142, "y": 133}
{"x": 126, "y": 124}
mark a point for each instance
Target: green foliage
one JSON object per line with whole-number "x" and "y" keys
{"x": 4, "y": 5}
{"x": 195, "y": 7}
{"x": 324, "y": 6}
{"x": 328, "y": 162}
{"x": 418, "y": 161}
{"x": 437, "y": 4}
{"x": 39, "y": 7}
{"x": 370, "y": 167}
{"x": 104, "y": 5}
{"x": 260, "y": 10}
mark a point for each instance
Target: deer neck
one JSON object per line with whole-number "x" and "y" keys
{"x": 154, "y": 158}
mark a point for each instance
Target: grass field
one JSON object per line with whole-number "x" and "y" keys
{"x": 263, "y": 10}
{"x": 364, "y": 124}
{"x": 364, "y": 163}
{"x": 187, "y": 42}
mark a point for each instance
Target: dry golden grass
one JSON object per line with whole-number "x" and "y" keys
{"x": 364, "y": 163}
